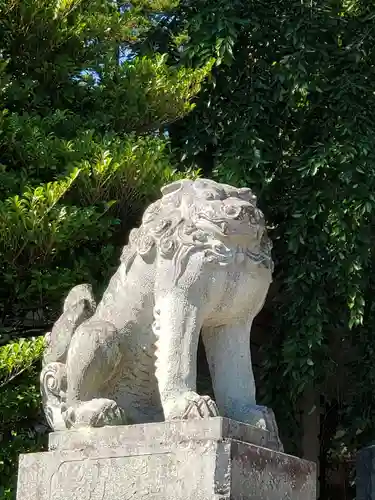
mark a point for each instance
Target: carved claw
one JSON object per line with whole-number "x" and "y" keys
{"x": 94, "y": 413}
{"x": 203, "y": 407}
{"x": 191, "y": 406}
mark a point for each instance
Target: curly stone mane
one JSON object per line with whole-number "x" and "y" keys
{"x": 170, "y": 226}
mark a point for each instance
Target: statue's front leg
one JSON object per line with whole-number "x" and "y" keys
{"x": 177, "y": 327}
{"x": 229, "y": 358}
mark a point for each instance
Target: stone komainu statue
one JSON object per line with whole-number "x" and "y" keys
{"x": 200, "y": 263}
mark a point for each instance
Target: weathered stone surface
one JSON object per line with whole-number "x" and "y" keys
{"x": 215, "y": 428}
{"x": 261, "y": 474}
{"x": 159, "y": 462}
{"x": 200, "y": 263}
{"x": 365, "y": 480}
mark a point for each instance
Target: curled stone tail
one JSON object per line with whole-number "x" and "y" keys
{"x": 79, "y": 306}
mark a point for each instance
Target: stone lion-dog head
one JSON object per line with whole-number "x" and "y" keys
{"x": 196, "y": 215}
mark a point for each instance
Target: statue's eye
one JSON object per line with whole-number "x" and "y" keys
{"x": 231, "y": 210}
{"x": 209, "y": 195}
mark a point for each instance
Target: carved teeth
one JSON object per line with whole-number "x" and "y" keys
{"x": 240, "y": 257}
{"x": 156, "y": 311}
{"x": 156, "y": 329}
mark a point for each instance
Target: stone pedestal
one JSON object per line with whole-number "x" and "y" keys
{"x": 212, "y": 459}
{"x": 366, "y": 474}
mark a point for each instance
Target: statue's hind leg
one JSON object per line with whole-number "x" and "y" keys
{"x": 229, "y": 358}
{"x": 92, "y": 362}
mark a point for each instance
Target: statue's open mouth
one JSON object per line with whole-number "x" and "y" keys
{"x": 225, "y": 228}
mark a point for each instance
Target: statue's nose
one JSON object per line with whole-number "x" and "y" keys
{"x": 249, "y": 212}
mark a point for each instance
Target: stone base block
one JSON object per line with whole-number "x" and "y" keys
{"x": 213, "y": 459}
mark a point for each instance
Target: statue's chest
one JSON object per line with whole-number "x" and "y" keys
{"x": 239, "y": 294}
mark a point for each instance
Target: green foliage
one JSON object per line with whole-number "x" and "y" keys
{"x": 82, "y": 151}
{"x": 17, "y": 357}
{"x": 289, "y": 111}
{"x": 20, "y": 407}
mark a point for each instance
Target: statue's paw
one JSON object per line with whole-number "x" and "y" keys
{"x": 94, "y": 413}
{"x": 191, "y": 406}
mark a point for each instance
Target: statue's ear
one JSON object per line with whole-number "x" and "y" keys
{"x": 173, "y": 186}
{"x": 247, "y": 195}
